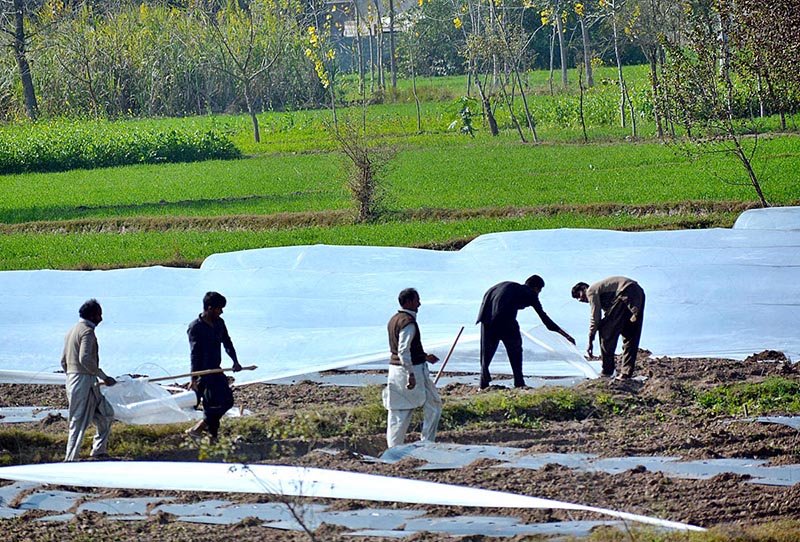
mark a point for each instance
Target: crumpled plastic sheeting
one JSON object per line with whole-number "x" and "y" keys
{"x": 292, "y": 482}
{"x": 716, "y": 292}
{"x": 137, "y": 401}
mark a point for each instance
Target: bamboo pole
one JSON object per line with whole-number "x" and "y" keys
{"x": 447, "y": 357}
{"x": 194, "y": 373}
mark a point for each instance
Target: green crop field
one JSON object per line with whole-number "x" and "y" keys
{"x": 442, "y": 188}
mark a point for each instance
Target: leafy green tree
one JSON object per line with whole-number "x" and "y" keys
{"x": 707, "y": 89}
{"x": 249, "y": 39}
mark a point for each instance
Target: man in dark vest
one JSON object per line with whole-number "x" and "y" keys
{"x": 622, "y": 301}
{"x": 409, "y": 385}
{"x": 498, "y": 319}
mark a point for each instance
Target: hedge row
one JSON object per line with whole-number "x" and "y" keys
{"x": 66, "y": 146}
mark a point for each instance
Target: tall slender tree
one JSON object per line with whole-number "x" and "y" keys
{"x": 13, "y": 16}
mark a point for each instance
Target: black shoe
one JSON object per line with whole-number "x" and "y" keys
{"x": 606, "y": 375}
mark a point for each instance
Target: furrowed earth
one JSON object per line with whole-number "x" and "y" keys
{"x": 659, "y": 416}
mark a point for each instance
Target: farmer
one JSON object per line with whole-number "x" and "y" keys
{"x": 81, "y": 363}
{"x": 622, "y": 301}
{"x": 409, "y": 384}
{"x": 206, "y": 334}
{"x": 498, "y": 319}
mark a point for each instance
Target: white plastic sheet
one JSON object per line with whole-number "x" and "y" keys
{"x": 137, "y": 401}
{"x": 292, "y": 482}
{"x": 717, "y": 292}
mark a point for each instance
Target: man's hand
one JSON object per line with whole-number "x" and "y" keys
{"x": 236, "y": 367}
{"x": 109, "y": 381}
{"x": 412, "y": 381}
{"x": 590, "y": 350}
{"x": 431, "y": 358}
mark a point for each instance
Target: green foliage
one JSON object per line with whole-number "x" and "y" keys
{"x": 463, "y": 112}
{"x": 521, "y": 409}
{"x": 62, "y": 146}
{"x": 142, "y": 440}
{"x": 773, "y": 395}
{"x": 21, "y": 446}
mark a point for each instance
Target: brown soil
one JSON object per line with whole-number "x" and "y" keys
{"x": 661, "y": 417}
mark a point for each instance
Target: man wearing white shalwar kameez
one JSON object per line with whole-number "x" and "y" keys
{"x": 409, "y": 385}
{"x": 81, "y": 362}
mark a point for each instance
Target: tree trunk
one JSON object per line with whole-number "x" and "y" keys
{"x": 487, "y": 108}
{"x": 252, "y": 113}
{"x": 587, "y": 52}
{"x": 622, "y": 91}
{"x": 562, "y": 48}
{"x": 28, "y": 90}
{"x": 528, "y": 114}
{"x": 748, "y": 166}
{"x": 414, "y": 88}
{"x": 511, "y": 114}
{"x": 654, "y": 81}
{"x": 552, "y": 58}
{"x": 392, "y": 68}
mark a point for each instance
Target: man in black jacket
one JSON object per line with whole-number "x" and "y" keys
{"x": 207, "y": 334}
{"x": 498, "y": 319}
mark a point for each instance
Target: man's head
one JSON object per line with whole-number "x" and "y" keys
{"x": 579, "y": 292}
{"x": 409, "y": 299}
{"x": 536, "y": 282}
{"x": 213, "y": 303}
{"x": 91, "y": 311}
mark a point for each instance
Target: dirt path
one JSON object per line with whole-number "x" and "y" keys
{"x": 657, "y": 417}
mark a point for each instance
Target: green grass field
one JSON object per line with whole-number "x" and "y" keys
{"x": 444, "y": 188}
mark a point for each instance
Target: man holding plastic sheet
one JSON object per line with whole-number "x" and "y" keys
{"x": 409, "y": 385}
{"x": 206, "y": 336}
{"x": 498, "y": 319}
{"x": 622, "y": 301}
{"x": 81, "y": 361}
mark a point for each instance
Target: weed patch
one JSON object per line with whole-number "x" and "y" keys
{"x": 774, "y": 394}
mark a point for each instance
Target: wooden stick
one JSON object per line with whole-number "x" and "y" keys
{"x": 195, "y": 373}
{"x": 447, "y": 357}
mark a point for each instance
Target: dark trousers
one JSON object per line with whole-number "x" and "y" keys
{"x": 217, "y": 399}
{"x": 616, "y": 322}
{"x": 491, "y": 335}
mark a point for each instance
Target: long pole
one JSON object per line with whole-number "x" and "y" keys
{"x": 447, "y": 357}
{"x": 194, "y": 373}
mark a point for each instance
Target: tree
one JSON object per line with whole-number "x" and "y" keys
{"x": 12, "y": 23}
{"x": 249, "y": 40}
{"x": 472, "y": 29}
{"x": 320, "y": 50}
{"x": 769, "y": 33}
{"x": 708, "y": 92}
{"x": 651, "y": 22}
{"x": 613, "y": 12}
